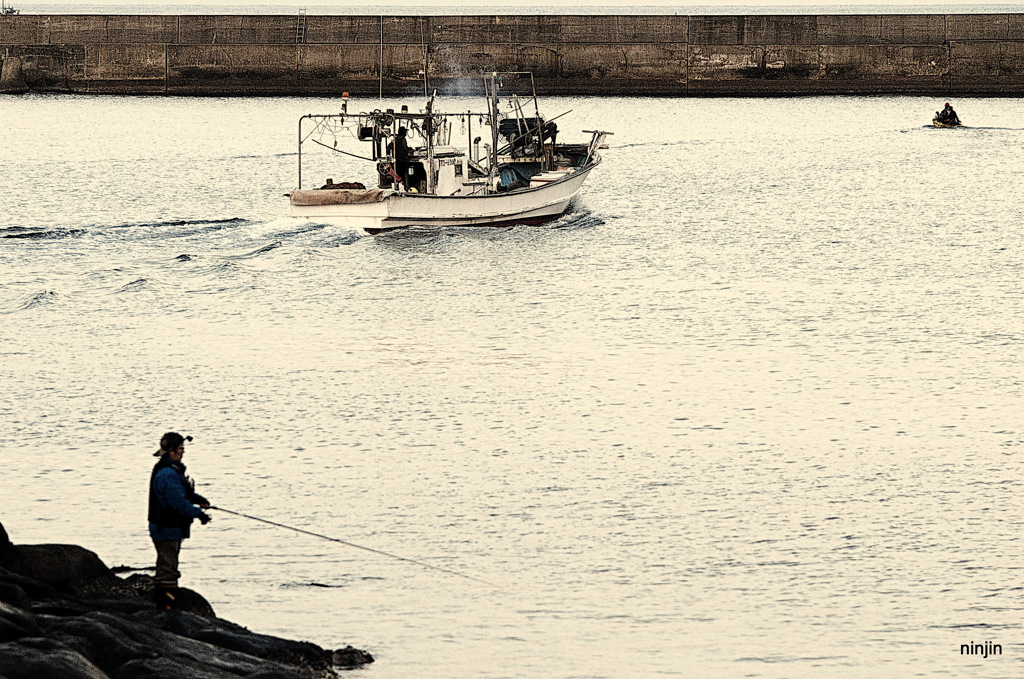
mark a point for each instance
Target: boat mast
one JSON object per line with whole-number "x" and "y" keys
{"x": 300, "y": 151}
{"x": 492, "y": 114}
{"x": 540, "y": 129}
{"x": 429, "y": 128}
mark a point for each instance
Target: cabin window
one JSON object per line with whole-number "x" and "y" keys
{"x": 458, "y": 169}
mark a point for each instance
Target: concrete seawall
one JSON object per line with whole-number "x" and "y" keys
{"x": 934, "y": 54}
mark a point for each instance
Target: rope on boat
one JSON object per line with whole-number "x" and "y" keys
{"x": 351, "y": 544}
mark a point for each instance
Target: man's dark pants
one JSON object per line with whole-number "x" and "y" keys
{"x": 167, "y": 552}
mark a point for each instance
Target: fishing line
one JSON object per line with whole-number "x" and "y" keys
{"x": 351, "y": 544}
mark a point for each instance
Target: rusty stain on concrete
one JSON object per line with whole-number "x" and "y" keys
{"x": 933, "y": 54}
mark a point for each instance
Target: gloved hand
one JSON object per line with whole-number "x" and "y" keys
{"x": 204, "y": 518}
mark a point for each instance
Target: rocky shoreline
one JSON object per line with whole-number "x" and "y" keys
{"x": 64, "y": 613}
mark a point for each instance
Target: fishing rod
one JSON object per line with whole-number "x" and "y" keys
{"x": 331, "y": 148}
{"x": 351, "y": 544}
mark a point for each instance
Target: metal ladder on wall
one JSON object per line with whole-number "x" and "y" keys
{"x": 300, "y": 27}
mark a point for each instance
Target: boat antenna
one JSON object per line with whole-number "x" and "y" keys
{"x": 351, "y": 544}
{"x": 380, "y": 68}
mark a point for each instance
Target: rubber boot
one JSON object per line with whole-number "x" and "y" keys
{"x": 165, "y": 597}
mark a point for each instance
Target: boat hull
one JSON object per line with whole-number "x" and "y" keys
{"x": 535, "y": 205}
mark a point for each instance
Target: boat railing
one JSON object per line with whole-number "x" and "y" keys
{"x": 530, "y": 138}
{"x": 596, "y": 142}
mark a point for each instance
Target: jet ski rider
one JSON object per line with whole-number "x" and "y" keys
{"x": 948, "y": 116}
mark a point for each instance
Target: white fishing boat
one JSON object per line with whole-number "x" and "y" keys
{"x": 522, "y": 175}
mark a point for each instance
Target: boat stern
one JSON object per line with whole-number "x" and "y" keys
{"x": 364, "y": 209}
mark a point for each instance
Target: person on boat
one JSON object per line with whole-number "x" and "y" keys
{"x": 402, "y": 154}
{"x": 173, "y": 504}
{"x": 948, "y": 116}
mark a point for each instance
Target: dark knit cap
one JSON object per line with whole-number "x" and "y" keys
{"x": 169, "y": 442}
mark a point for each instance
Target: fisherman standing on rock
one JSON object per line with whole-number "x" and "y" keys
{"x": 172, "y": 506}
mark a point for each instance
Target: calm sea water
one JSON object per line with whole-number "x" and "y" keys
{"x": 752, "y": 409}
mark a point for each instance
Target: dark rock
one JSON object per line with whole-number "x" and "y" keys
{"x": 117, "y": 605}
{"x": 350, "y": 657}
{"x": 185, "y": 599}
{"x": 33, "y": 589}
{"x": 234, "y": 637}
{"x": 190, "y": 601}
{"x": 5, "y": 541}
{"x": 175, "y": 668}
{"x": 137, "y": 585}
{"x": 58, "y": 606}
{"x": 16, "y": 623}
{"x": 66, "y": 567}
{"x": 117, "y": 570}
{"x": 63, "y": 614}
{"x": 201, "y": 658}
{"x": 97, "y": 637}
{"x": 14, "y": 595}
{"x": 37, "y": 658}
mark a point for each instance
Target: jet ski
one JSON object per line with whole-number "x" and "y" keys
{"x": 946, "y": 118}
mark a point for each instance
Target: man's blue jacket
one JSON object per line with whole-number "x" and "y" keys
{"x": 171, "y": 498}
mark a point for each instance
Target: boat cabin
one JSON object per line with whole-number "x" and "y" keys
{"x": 499, "y": 165}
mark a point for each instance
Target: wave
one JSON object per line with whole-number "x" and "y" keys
{"x": 61, "y": 233}
{"x": 272, "y": 155}
{"x": 306, "y": 228}
{"x": 14, "y": 229}
{"x": 578, "y": 217}
{"x": 41, "y": 298}
{"x": 51, "y": 234}
{"x": 585, "y": 221}
{"x": 179, "y": 222}
{"x": 134, "y": 285}
{"x": 309, "y": 233}
{"x": 349, "y": 238}
{"x": 266, "y": 248}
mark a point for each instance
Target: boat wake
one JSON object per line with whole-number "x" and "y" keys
{"x": 301, "y": 230}
{"x": 580, "y": 221}
{"x": 309, "y": 233}
{"x": 134, "y": 286}
{"x": 39, "y": 299}
{"x": 577, "y": 217}
{"x": 270, "y": 155}
{"x": 43, "y": 234}
{"x": 159, "y": 228}
{"x": 183, "y": 222}
{"x": 1001, "y": 129}
{"x": 170, "y": 228}
{"x": 260, "y": 251}
{"x": 348, "y": 238}
{"x": 973, "y": 127}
